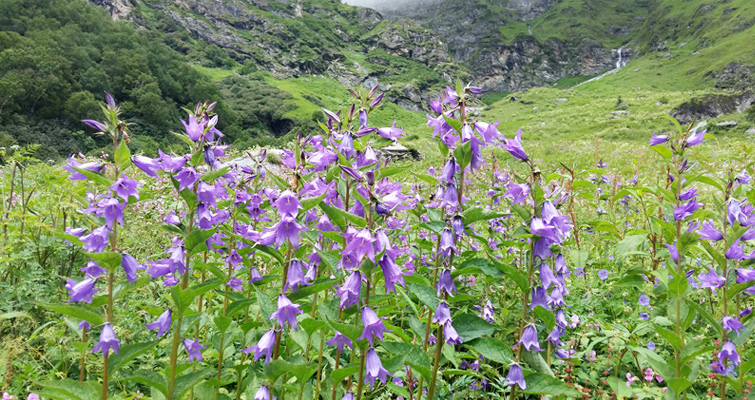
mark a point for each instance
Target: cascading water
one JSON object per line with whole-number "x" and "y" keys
{"x": 620, "y": 63}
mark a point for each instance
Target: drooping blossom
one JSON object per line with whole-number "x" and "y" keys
{"x": 374, "y": 369}
{"x": 286, "y": 312}
{"x": 162, "y": 324}
{"x": 340, "y": 340}
{"x": 373, "y": 326}
{"x": 264, "y": 346}
{"x": 516, "y": 377}
{"x": 107, "y": 340}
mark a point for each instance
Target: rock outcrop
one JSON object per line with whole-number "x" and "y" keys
{"x": 712, "y": 105}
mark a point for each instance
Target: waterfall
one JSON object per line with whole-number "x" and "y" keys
{"x": 620, "y": 63}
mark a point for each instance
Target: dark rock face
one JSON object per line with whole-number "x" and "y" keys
{"x": 735, "y": 77}
{"x": 712, "y": 106}
{"x": 118, "y": 9}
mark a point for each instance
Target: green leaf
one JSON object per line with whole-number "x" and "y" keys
{"x": 341, "y": 373}
{"x": 311, "y": 202}
{"x": 128, "y": 353}
{"x": 429, "y": 179}
{"x": 474, "y": 214}
{"x": 547, "y": 317}
{"x": 149, "y": 378}
{"x": 195, "y": 242}
{"x": 471, "y": 327}
{"x": 463, "y": 154}
{"x": 425, "y": 294}
{"x": 492, "y": 349}
{"x": 188, "y": 381}
{"x": 388, "y": 171}
{"x": 182, "y": 298}
{"x": 222, "y": 323}
{"x": 14, "y": 314}
{"x": 538, "y": 383}
{"x": 266, "y": 303}
{"x": 670, "y": 337}
{"x": 122, "y": 156}
{"x": 66, "y": 389}
{"x": 109, "y": 260}
{"x": 78, "y": 312}
{"x": 630, "y": 245}
{"x": 738, "y": 288}
{"x": 95, "y": 177}
{"x": 678, "y": 286}
{"x": 478, "y": 264}
{"x": 210, "y": 176}
{"x": 316, "y": 287}
{"x": 514, "y": 274}
{"x": 662, "y": 150}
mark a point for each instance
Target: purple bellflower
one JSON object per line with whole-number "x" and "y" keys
{"x": 264, "y": 346}
{"x": 162, "y": 324}
{"x": 107, "y": 340}
{"x": 373, "y": 326}
{"x": 516, "y": 377}
{"x": 193, "y": 348}
{"x": 286, "y": 312}
{"x": 375, "y": 369}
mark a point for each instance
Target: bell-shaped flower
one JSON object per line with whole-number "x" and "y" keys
{"x": 374, "y": 369}
{"x": 446, "y": 283}
{"x": 125, "y": 187}
{"x": 514, "y": 147}
{"x": 194, "y": 130}
{"x": 262, "y": 394}
{"x": 732, "y": 324}
{"x": 93, "y": 270}
{"x": 516, "y": 377}
{"x": 186, "y": 178}
{"x": 442, "y": 314}
{"x": 162, "y": 324}
{"x": 288, "y": 204}
{"x": 82, "y": 291}
{"x": 373, "y": 326}
{"x": 107, "y": 340}
{"x": 287, "y": 229}
{"x": 529, "y": 339}
{"x": 350, "y": 290}
{"x": 340, "y": 340}
{"x": 447, "y": 243}
{"x": 711, "y": 280}
{"x": 147, "y": 165}
{"x": 361, "y": 244}
{"x": 235, "y": 284}
{"x": 658, "y": 139}
{"x": 729, "y": 351}
{"x": 709, "y": 231}
{"x": 193, "y": 349}
{"x": 295, "y": 277}
{"x": 112, "y": 210}
{"x": 695, "y": 138}
{"x": 286, "y": 312}
{"x": 391, "y": 272}
{"x": 452, "y": 337}
{"x": 130, "y": 266}
{"x": 264, "y": 346}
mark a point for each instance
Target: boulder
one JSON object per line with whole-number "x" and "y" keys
{"x": 397, "y": 151}
{"x": 727, "y": 124}
{"x": 712, "y": 105}
{"x": 750, "y": 131}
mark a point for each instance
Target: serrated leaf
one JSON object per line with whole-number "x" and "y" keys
{"x": 122, "y": 156}
{"x": 187, "y": 381}
{"x": 196, "y": 240}
{"x": 538, "y": 383}
{"x": 211, "y": 176}
{"x": 471, "y": 327}
{"x": 78, "y": 312}
{"x": 128, "y": 353}
{"x": 492, "y": 349}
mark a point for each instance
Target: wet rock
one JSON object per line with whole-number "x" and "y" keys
{"x": 712, "y": 105}
{"x": 397, "y": 151}
{"x": 621, "y": 112}
{"x": 727, "y": 124}
{"x": 560, "y": 100}
{"x": 750, "y": 131}
{"x": 668, "y": 55}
